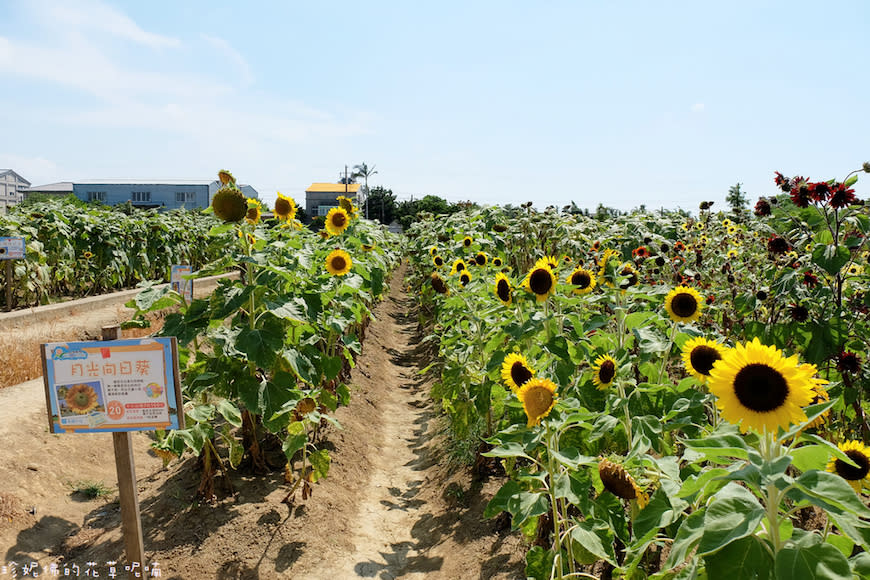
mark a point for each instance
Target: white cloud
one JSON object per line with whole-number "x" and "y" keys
{"x": 33, "y": 169}
{"x": 228, "y": 52}
{"x": 698, "y": 108}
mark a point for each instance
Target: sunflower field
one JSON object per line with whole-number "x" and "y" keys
{"x": 668, "y": 395}
{"x": 265, "y": 358}
{"x": 76, "y": 250}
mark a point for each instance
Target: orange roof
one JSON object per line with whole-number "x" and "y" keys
{"x": 332, "y": 188}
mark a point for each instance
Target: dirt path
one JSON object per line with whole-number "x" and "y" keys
{"x": 391, "y": 506}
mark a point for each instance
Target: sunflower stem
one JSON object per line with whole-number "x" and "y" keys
{"x": 628, "y": 436}
{"x": 770, "y": 450}
{"x": 667, "y": 356}
{"x": 551, "y": 472}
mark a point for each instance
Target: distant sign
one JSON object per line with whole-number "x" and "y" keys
{"x": 11, "y": 248}
{"x": 117, "y": 385}
{"x": 180, "y": 284}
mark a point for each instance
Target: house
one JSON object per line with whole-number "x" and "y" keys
{"x": 143, "y": 193}
{"x": 322, "y": 197}
{"x": 11, "y": 185}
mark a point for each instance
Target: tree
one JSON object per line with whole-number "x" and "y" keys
{"x": 380, "y": 204}
{"x": 364, "y": 171}
{"x": 737, "y": 200}
{"x": 407, "y": 211}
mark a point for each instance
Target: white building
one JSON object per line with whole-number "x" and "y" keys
{"x": 11, "y": 185}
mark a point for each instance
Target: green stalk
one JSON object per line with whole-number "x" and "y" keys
{"x": 557, "y": 534}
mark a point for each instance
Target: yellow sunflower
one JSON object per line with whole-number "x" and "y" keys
{"x": 229, "y": 205}
{"x": 684, "y": 304}
{"x": 605, "y": 371}
{"x": 324, "y": 235}
{"x": 760, "y": 388}
{"x": 465, "y": 277}
{"x": 466, "y": 241}
{"x": 541, "y": 282}
{"x": 820, "y": 395}
{"x": 433, "y": 251}
{"x": 347, "y": 205}
{"x": 285, "y": 207}
{"x": 548, "y": 261}
{"x": 538, "y": 397}
{"x": 606, "y": 266}
{"x": 515, "y": 371}
{"x": 337, "y": 221}
{"x": 81, "y": 399}
{"x": 255, "y": 209}
{"x": 458, "y": 266}
{"x": 438, "y": 261}
{"x": 88, "y": 255}
{"x": 481, "y": 258}
{"x": 732, "y": 253}
{"x": 338, "y": 262}
{"x": 858, "y": 476}
{"x": 699, "y": 354}
{"x": 582, "y": 279}
{"x": 497, "y": 262}
{"x": 620, "y": 483}
{"x": 368, "y": 247}
{"x": 502, "y": 289}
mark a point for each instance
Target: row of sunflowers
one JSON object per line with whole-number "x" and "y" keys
{"x": 266, "y": 357}
{"x": 669, "y": 396}
{"x": 75, "y": 250}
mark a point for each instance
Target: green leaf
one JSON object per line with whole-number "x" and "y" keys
{"x": 499, "y": 502}
{"x": 331, "y": 366}
{"x": 201, "y": 413}
{"x": 743, "y": 559}
{"x": 728, "y": 445}
{"x": 832, "y": 488}
{"x": 815, "y": 562}
{"x": 319, "y": 463}
{"x": 809, "y": 457}
{"x": 597, "y": 538}
{"x": 860, "y": 564}
{"x": 842, "y": 543}
{"x": 687, "y": 538}
{"x": 230, "y": 412}
{"x": 733, "y": 514}
{"x": 509, "y": 449}
{"x": 300, "y": 364}
{"x": 658, "y": 513}
{"x": 574, "y": 486}
{"x": 377, "y": 281}
{"x": 296, "y": 439}
{"x": 697, "y": 483}
{"x": 539, "y": 563}
{"x": 831, "y": 258}
{"x": 261, "y": 344}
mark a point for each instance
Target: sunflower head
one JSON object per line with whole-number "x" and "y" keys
{"x": 820, "y": 395}
{"x": 858, "y": 476}
{"x": 438, "y": 284}
{"x": 285, "y": 207}
{"x": 229, "y": 205}
{"x": 582, "y": 279}
{"x": 338, "y": 262}
{"x": 541, "y": 282}
{"x": 497, "y": 262}
{"x": 502, "y": 289}
{"x": 466, "y": 241}
{"x": 254, "y": 211}
{"x": 337, "y": 221}
{"x": 683, "y": 304}
{"x": 433, "y": 251}
{"x": 481, "y": 258}
{"x": 516, "y": 371}
{"x": 465, "y": 277}
{"x": 81, "y": 399}
{"x": 324, "y": 235}
{"x": 605, "y": 371}
{"x": 620, "y": 483}
{"x": 538, "y": 397}
{"x": 88, "y": 255}
{"x": 759, "y": 388}
{"x": 549, "y": 261}
{"x": 368, "y": 247}
{"x": 607, "y": 266}
{"x": 226, "y": 178}
{"x": 458, "y": 267}
{"x": 699, "y": 354}
{"x": 347, "y": 205}
{"x": 438, "y": 261}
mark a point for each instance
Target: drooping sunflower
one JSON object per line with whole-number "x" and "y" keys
{"x": 515, "y": 371}
{"x": 857, "y": 477}
{"x": 759, "y": 388}
{"x": 226, "y": 177}
{"x": 630, "y": 276}
{"x": 337, "y": 221}
{"x": 458, "y": 266}
{"x": 607, "y": 265}
{"x": 538, "y": 397}
{"x": 481, "y": 258}
{"x": 684, "y": 304}
{"x": 699, "y": 354}
{"x": 465, "y": 277}
{"x": 466, "y": 241}
{"x": 620, "y": 483}
{"x": 229, "y": 205}
{"x": 541, "y": 282}
{"x": 338, "y": 262}
{"x": 347, "y": 205}
{"x": 285, "y": 207}
{"x": 502, "y": 289}
{"x": 438, "y": 261}
{"x": 605, "y": 371}
{"x": 582, "y": 279}
{"x": 255, "y": 209}
{"x": 81, "y": 399}
{"x": 438, "y": 284}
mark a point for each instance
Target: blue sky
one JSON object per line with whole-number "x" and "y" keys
{"x": 627, "y": 103}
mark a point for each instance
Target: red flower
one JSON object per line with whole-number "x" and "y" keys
{"x": 640, "y": 252}
{"x": 762, "y": 208}
{"x": 810, "y": 279}
{"x": 777, "y": 245}
{"x": 842, "y": 197}
{"x": 848, "y": 362}
{"x": 782, "y": 182}
{"x": 819, "y": 191}
{"x": 800, "y": 192}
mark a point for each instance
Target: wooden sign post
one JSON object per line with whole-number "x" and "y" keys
{"x": 125, "y": 466}
{"x": 116, "y": 386}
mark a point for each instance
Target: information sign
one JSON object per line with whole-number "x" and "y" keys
{"x": 11, "y": 248}
{"x": 180, "y": 284}
{"x": 117, "y": 385}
